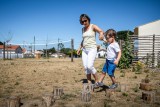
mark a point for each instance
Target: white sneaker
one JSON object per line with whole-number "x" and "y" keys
{"x": 100, "y": 84}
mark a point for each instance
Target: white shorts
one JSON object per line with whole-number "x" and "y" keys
{"x": 88, "y": 58}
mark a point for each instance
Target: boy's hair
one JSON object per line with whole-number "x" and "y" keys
{"x": 82, "y": 16}
{"x": 110, "y": 33}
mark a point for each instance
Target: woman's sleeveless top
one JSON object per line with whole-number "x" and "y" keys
{"x": 89, "y": 38}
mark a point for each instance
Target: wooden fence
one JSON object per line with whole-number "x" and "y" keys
{"x": 145, "y": 48}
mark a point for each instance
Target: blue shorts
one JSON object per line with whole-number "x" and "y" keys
{"x": 109, "y": 67}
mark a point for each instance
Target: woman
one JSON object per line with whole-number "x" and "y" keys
{"x": 89, "y": 46}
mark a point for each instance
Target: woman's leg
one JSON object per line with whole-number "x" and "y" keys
{"x": 91, "y": 58}
{"x": 85, "y": 63}
{"x": 89, "y": 78}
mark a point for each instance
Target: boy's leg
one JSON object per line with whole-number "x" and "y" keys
{"x": 104, "y": 70}
{"x": 102, "y": 77}
{"x": 111, "y": 70}
{"x": 113, "y": 79}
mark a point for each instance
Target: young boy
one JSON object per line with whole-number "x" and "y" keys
{"x": 113, "y": 57}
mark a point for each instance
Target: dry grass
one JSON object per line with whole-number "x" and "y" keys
{"x": 30, "y": 78}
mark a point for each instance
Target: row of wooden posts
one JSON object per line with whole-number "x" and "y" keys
{"x": 148, "y": 94}
{"x": 48, "y": 99}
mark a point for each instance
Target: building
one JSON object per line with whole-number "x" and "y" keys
{"x": 102, "y": 52}
{"x": 148, "y": 39}
{"x": 11, "y": 51}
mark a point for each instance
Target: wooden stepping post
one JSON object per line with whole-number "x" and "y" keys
{"x": 13, "y": 101}
{"x": 110, "y": 93}
{"x": 85, "y": 96}
{"x": 58, "y": 92}
{"x": 145, "y": 86}
{"x": 48, "y": 99}
{"x": 88, "y": 87}
{"x": 148, "y": 96}
{"x": 123, "y": 87}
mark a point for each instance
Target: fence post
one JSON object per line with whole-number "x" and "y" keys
{"x": 153, "y": 56}
{"x": 72, "y": 49}
{"x": 158, "y": 59}
{"x": 147, "y": 59}
{"x": 4, "y": 51}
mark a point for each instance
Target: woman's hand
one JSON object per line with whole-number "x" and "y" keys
{"x": 78, "y": 52}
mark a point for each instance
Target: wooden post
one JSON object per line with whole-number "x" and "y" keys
{"x": 85, "y": 96}
{"x": 145, "y": 86}
{"x": 13, "y": 102}
{"x": 158, "y": 59}
{"x": 72, "y": 49}
{"x": 48, "y": 99}
{"x": 109, "y": 93}
{"x": 153, "y": 55}
{"x": 148, "y": 96}
{"x": 58, "y": 92}
{"x": 4, "y": 51}
{"x": 123, "y": 87}
{"x": 88, "y": 87}
{"x": 147, "y": 60}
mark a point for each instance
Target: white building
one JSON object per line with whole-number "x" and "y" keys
{"x": 102, "y": 52}
{"x": 148, "y": 29}
{"x": 145, "y": 38}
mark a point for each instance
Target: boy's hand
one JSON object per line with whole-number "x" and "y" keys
{"x": 116, "y": 62}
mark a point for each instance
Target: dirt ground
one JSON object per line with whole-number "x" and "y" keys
{"x": 30, "y": 79}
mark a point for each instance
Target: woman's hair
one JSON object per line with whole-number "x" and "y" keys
{"x": 84, "y": 16}
{"x": 111, "y": 33}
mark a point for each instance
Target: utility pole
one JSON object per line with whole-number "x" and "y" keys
{"x": 46, "y": 46}
{"x": 58, "y": 45}
{"x": 34, "y": 44}
{"x": 4, "y": 50}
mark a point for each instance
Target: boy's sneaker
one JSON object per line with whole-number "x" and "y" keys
{"x": 113, "y": 86}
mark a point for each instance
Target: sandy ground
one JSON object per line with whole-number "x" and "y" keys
{"x": 31, "y": 78}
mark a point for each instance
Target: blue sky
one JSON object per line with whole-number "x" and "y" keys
{"x": 53, "y": 19}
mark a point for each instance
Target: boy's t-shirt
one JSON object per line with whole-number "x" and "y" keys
{"x": 112, "y": 51}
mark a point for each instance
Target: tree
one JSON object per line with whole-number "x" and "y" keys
{"x": 66, "y": 51}
{"x": 1, "y": 43}
{"x": 121, "y": 35}
{"x": 52, "y": 50}
{"x": 60, "y": 46}
{"x": 127, "y": 54}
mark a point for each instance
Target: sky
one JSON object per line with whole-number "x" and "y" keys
{"x": 50, "y": 20}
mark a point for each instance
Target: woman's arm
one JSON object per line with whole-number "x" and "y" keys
{"x": 97, "y": 29}
{"x": 80, "y": 47}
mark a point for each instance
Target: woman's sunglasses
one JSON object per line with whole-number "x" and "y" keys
{"x": 84, "y": 21}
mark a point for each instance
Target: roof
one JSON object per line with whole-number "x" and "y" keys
{"x": 10, "y": 47}
{"x": 148, "y": 23}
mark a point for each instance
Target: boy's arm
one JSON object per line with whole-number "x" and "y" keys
{"x": 118, "y": 58}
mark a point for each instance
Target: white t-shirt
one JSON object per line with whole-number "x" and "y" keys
{"x": 112, "y": 51}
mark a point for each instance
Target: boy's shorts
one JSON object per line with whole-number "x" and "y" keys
{"x": 109, "y": 67}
